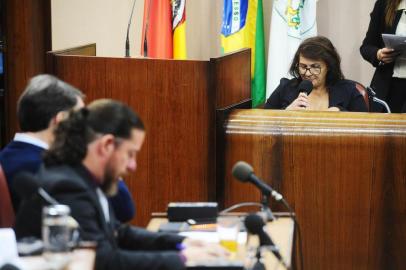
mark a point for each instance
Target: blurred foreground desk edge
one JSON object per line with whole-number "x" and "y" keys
{"x": 281, "y": 231}
{"x": 82, "y": 259}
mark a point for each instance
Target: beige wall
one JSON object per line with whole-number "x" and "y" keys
{"x": 345, "y": 22}
{"x": 77, "y": 22}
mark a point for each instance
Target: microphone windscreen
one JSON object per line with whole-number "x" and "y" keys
{"x": 305, "y": 86}
{"x": 8, "y": 266}
{"x": 254, "y": 224}
{"x": 25, "y": 184}
{"x": 242, "y": 171}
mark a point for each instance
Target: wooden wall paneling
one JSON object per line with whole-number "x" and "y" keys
{"x": 172, "y": 98}
{"x": 388, "y": 219}
{"x": 343, "y": 173}
{"x": 177, "y": 101}
{"x": 86, "y": 73}
{"x": 175, "y": 164}
{"x": 231, "y": 77}
{"x": 222, "y": 115}
{"x": 28, "y": 37}
{"x": 84, "y": 50}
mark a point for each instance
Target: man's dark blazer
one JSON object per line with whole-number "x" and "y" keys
{"x": 119, "y": 246}
{"x": 373, "y": 42}
{"x": 20, "y": 156}
{"x": 342, "y": 95}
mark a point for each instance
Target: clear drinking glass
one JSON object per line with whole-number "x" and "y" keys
{"x": 57, "y": 234}
{"x": 228, "y": 228}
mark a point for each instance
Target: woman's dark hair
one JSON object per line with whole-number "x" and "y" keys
{"x": 390, "y": 11}
{"x": 101, "y": 117}
{"x": 319, "y": 48}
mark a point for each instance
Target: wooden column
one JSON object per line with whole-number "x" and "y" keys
{"x": 28, "y": 37}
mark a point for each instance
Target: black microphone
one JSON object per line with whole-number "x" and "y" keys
{"x": 245, "y": 173}
{"x": 305, "y": 86}
{"x": 8, "y": 266}
{"x": 127, "y": 41}
{"x": 255, "y": 225}
{"x": 26, "y": 185}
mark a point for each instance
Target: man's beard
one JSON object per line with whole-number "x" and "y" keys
{"x": 109, "y": 186}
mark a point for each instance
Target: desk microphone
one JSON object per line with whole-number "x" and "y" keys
{"x": 9, "y": 266}
{"x": 255, "y": 225}
{"x": 305, "y": 86}
{"x": 127, "y": 41}
{"x": 245, "y": 173}
{"x": 26, "y": 185}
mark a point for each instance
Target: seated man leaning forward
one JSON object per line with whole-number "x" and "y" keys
{"x": 92, "y": 149}
{"x": 44, "y": 103}
{"x": 316, "y": 61}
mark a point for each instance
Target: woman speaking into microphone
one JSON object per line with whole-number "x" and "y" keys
{"x": 318, "y": 83}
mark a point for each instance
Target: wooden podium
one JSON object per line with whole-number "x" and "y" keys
{"x": 343, "y": 173}
{"x": 177, "y": 101}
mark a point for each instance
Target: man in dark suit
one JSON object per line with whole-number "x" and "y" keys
{"x": 44, "y": 103}
{"x": 92, "y": 149}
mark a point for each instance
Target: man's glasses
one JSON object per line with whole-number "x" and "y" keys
{"x": 313, "y": 69}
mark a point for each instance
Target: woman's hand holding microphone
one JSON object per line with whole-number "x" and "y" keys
{"x": 300, "y": 103}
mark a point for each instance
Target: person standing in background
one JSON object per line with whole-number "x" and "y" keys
{"x": 389, "y": 80}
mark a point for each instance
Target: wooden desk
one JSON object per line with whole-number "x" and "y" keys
{"x": 281, "y": 231}
{"x": 82, "y": 259}
{"x": 343, "y": 173}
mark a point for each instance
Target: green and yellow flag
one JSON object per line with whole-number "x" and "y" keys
{"x": 243, "y": 27}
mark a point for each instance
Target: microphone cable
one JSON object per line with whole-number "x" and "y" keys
{"x": 239, "y": 205}
{"x": 299, "y": 234}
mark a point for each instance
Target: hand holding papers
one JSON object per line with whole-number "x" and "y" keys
{"x": 394, "y": 46}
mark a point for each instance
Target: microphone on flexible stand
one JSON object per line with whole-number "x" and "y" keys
{"x": 372, "y": 95}
{"x": 127, "y": 40}
{"x": 255, "y": 225}
{"x": 26, "y": 185}
{"x": 245, "y": 173}
{"x": 146, "y": 26}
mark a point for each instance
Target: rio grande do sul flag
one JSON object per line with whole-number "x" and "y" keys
{"x": 243, "y": 27}
{"x": 179, "y": 29}
{"x": 163, "y": 31}
{"x": 292, "y": 21}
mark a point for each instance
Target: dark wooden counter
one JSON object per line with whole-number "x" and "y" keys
{"x": 343, "y": 173}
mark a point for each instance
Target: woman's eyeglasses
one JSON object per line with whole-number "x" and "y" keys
{"x": 313, "y": 69}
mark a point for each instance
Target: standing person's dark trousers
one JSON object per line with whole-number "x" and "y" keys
{"x": 397, "y": 95}
{"x": 389, "y": 88}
